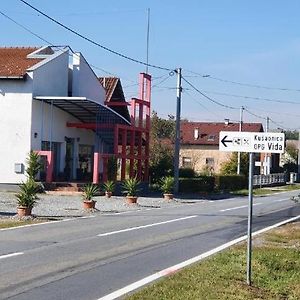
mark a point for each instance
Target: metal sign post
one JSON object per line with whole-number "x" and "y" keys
{"x": 251, "y": 142}
{"x": 250, "y": 208}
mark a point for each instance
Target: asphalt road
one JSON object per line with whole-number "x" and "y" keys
{"x": 92, "y": 257}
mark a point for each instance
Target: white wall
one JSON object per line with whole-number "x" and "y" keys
{"x": 15, "y": 128}
{"x": 85, "y": 82}
{"x": 51, "y": 78}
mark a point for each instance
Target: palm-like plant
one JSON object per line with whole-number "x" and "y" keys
{"x": 167, "y": 185}
{"x": 109, "y": 186}
{"x": 131, "y": 186}
{"x": 33, "y": 165}
{"x": 89, "y": 191}
{"x": 28, "y": 194}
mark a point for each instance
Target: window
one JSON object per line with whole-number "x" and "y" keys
{"x": 210, "y": 161}
{"x": 211, "y": 138}
{"x": 186, "y": 162}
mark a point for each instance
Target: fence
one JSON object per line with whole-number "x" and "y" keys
{"x": 272, "y": 179}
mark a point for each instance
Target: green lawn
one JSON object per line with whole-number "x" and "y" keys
{"x": 268, "y": 190}
{"x": 276, "y": 272}
{"x": 8, "y": 223}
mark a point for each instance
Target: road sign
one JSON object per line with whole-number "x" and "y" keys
{"x": 255, "y": 142}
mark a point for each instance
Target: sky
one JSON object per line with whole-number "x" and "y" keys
{"x": 233, "y": 53}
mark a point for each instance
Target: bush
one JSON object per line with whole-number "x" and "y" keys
{"x": 200, "y": 184}
{"x": 230, "y": 182}
{"x": 167, "y": 185}
{"x": 186, "y": 173}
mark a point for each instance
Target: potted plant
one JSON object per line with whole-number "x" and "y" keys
{"x": 89, "y": 191}
{"x": 109, "y": 187}
{"x": 131, "y": 188}
{"x": 167, "y": 187}
{"x": 27, "y": 197}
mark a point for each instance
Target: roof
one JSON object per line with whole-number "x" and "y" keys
{"x": 208, "y": 133}
{"x": 114, "y": 93}
{"x": 14, "y": 61}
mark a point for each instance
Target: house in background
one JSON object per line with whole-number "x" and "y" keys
{"x": 199, "y": 147}
{"x": 53, "y": 103}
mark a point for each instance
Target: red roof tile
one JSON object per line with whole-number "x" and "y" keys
{"x": 208, "y": 133}
{"x": 14, "y": 61}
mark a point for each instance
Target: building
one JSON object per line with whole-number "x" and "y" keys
{"x": 199, "y": 148}
{"x": 53, "y": 103}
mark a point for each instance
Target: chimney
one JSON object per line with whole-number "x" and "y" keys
{"x": 226, "y": 121}
{"x": 196, "y": 133}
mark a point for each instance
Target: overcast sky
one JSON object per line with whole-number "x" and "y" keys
{"x": 253, "y": 42}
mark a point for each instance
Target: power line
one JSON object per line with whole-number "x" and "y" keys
{"x": 209, "y": 98}
{"x": 243, "y": 83}
{"x": 92, "y": 41}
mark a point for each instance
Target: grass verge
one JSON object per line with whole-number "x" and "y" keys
{"x": 275, "y": 268}
{"x": 268, "y": 190}
{"x": 8, "y": 223}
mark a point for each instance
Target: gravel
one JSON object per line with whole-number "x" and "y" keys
{"x": 58, "y": 206}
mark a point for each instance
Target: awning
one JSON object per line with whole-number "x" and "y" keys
{"x": 85, "y": 110}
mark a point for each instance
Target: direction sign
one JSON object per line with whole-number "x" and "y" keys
{"x": 256, "y": 142}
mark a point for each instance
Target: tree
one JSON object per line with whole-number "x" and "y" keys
{"x": 230, "y": 167}
{"x": 161, "y": 147}
{"x": 291, "y": 135}
{"x": 290, "y": 158}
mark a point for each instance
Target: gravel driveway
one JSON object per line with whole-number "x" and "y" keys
{"x": 57, "y": 206}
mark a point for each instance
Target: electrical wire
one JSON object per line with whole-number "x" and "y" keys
{"x": 209, "y": 98}
{"x": 242, "y": 83}
{"x": 92, "y": 41}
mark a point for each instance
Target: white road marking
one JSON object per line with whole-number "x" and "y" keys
{"x": 170, "y": 270}
{"x": 11, "y": 255}
{"x": 280, "y": 200}
{"x": 145, "y": 226}
{"x": 238, "y": 207}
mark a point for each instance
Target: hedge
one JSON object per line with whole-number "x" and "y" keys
{"x": 230, "y": 182}
{"x": 186, "y": 173}
{"x": 197, "y": 184}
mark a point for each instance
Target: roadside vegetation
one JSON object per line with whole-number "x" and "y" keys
{"x": 275, "y": 269}
{"x": 8, "y": 223}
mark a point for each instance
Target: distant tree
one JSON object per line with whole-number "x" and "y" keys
{"x": 290, "y": 158}
{"x": 230, "y": 167}
{"x": 161, "y": 147}
{"x": 291, "y": 135}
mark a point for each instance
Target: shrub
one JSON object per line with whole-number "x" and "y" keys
{"x": 199, "y": 184}
{"x": 131, "y": 186}
{"x": 28, "y": 193}
{"x": 33, "y": 165}
{"x": 186, "y": 173}
{"x": 109, "y": 186}
{"x": 89, "y": 191}
{"x": 167, "y": 185}
{"x": 230, "y": 182}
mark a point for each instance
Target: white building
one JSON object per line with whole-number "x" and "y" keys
{"x": 41, "y": 91}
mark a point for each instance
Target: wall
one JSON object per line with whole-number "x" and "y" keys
{"x": 199, "y": 154}
{"x": 15, "y": 130}
{"x": 51, "y": 77}
{"x": 85, "y": 82}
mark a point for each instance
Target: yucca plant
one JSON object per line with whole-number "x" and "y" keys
{"x": 130, "y": 186}
{"x": 28, "y": 194}
{"x": 89, "y": 191}
{"x": 167, "y": 185}
{"x": 33, "y": 165}
{"x": 109, "y": 186}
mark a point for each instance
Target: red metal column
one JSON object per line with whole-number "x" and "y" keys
{"x": 139, "y": 165}
{"x": 96, "y": 168}
{"x": 132, "y": 142}
{"x": 124, "y": 144}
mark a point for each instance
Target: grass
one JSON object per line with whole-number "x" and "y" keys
{"x": 275, "y": 269}
{"x": 268, "y": 190}
{"x": 8, "y": 223}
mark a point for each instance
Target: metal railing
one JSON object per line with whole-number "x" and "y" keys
{"x": 272, "y": 179}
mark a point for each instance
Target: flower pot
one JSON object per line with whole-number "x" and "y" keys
{"x": 168, "y": 196}
{"x": 24, "y": 211}
{"x": 89, "y": 204}
{"x": 131, "y": 199}
{"x": 108, "y": 194}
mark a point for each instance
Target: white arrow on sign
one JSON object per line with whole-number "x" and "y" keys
{"x": 256, "y": 142}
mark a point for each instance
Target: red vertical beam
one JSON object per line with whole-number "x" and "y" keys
{"x": 105, "y": 163}
{"x": 96, "y": 168}
{"x": 146, "y": 161}
{"x": 116, "y": 140}
{"x": 142, "y": 87}
{"x": 133, "y": 112}
{"x": 50, "y": 162}
{"x": 132, "y": 143}
{"x": 139, "y": 165}
{"x": 141, "y": 112}
{"x": 123, "y": 164}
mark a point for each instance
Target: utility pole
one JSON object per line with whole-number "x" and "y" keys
{"x": 239, "y": 153}
{"x": 177, "y": 133}
{"x": 148, "y": 35}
